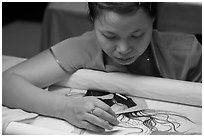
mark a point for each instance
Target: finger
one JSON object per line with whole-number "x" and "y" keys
{"x": 92, "y": 127}
{"x": 109, "y": 96}
{"x": 104, "y": 106}
{"x": 98, "y": 121}
{"x": 105, "y": 116}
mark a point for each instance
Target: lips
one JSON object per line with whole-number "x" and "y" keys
{"x": 124, "y": 59}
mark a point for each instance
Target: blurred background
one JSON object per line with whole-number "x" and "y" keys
{"x": 31, "y": 27}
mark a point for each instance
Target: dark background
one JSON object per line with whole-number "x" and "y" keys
{"x": 21, "y": 28}
{"x": 30, "y": 11}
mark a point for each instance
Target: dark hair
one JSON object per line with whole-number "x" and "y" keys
{"x": 95, "y": 8}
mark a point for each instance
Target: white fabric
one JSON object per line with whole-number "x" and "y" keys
{"x": 17, "y": 128}
{"x": 168, "y": 90}
{"x": 10, "y": 115}
{"x": 145, "y": 87}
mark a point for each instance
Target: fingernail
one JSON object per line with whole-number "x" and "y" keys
{"x": 110, "y": 127}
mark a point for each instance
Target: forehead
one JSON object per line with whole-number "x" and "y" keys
{"x": 114, "y": 21}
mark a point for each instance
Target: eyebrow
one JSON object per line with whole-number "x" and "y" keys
{"x": 110, "y": 32}
{"x": 107, "y": 31}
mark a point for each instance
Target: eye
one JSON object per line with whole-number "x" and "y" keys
{"x": 109, "y": 36}
{"x": 137, "y": 35}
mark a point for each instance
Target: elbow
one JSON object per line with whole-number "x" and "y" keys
{"x": 10, "y": 82}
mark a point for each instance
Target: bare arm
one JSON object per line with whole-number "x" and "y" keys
{"x": 20, "y": 84}
{"x": 22, "y": 88}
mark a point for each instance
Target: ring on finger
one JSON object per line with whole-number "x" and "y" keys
{"x": 92, "y": 110}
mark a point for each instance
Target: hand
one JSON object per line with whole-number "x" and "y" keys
{"x": 89, "y": 113}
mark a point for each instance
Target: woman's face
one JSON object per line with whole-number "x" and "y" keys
{"x": 124, "y": 37}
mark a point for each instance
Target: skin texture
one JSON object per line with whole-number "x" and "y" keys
{"x": 22, "y": 85}
{"x": 22, "y": 89}
{"x": 124, "y": 37}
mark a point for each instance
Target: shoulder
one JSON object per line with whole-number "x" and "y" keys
{"x": 83, "y": 46}
{"x": 173, "y": 40}
{"x": 77, "y": 52}
{"x": 87, "y": 37}
{"x": 87, "y": 40}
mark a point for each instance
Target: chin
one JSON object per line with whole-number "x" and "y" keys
{"x": 128, "y": 62}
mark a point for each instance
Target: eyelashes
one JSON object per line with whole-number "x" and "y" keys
{"x": 109, "y": 37}
{"x": 114, "y": 37}
{"x": 138, "y": 35}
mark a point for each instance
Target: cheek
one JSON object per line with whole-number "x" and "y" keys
{"x": 142, "y": 44}
{"x": 148, "y": 38}
{"x": 106, "y": 45}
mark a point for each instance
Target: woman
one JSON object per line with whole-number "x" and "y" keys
{"x": 123, "y": 40}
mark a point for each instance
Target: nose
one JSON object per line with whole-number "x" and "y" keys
{"x": 123, "y": 48}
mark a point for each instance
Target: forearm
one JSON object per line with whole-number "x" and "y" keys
{"x": 20, "y": 93}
